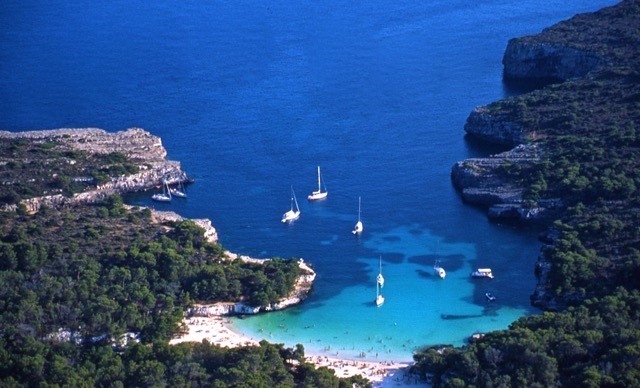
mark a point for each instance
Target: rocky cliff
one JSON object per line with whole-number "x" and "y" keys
{"x": 569, "y": 138}
{"x": 576, "y": 47}
{"x": 483, "y": 182}
{"x": 496, "y": 128}
{"x": 210, "y": 233}
{"x": 138, "y": 146}
{"x": 600, "y": 48}
{"x": 548, "y": 61}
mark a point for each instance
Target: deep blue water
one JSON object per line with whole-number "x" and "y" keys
{"x": 251, "y": 97}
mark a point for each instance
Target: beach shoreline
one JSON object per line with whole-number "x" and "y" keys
{"x": 217, "y": 330}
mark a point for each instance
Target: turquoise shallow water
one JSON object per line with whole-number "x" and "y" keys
{"x": 419, "y": 309}
{"x": 251, "y": 97}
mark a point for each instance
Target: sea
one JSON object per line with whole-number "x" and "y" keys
{"x": 251, "y": 97}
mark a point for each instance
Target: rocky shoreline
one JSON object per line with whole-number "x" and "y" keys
{"x": 568, "y": 51}
{"x": 147, "y": 151}
{"x": 301, "y": 290}
{"x": 138, "y": 145}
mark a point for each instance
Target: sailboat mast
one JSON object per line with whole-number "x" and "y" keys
{"x": 291, "y": 198}
{"x": 319, "y": 188}
{"x": 358, "y": 208}
{"x": 294, "y": 199}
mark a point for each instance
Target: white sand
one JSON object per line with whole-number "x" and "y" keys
{"x": 381, "y": 374}
{"x": 214, "y": 330}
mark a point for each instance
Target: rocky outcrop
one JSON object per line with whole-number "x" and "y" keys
{"x": 496, "y": 128}
{"x": 544, "y": 296}
{"x": 210, "y": 233}
{"x": 301, "y": 290}
{"x": 598, "y": 54}
{"x": 136, "y": 144}
{"x": 532, "y": 60}
{"x": 481, "y": 182}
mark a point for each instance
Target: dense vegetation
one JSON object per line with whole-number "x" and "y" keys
{"x": 31, "y": 169}
{"x": 104, "y": 270}
{"x": 75, "y": 280}
{"x": 594, "y": 344}
{"x": 588, "y": 129}
{"x": 25, "y": 361}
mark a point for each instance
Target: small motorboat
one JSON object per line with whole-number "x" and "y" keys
{"x": 490, "y": 297}
{"x": 482, "y": 273}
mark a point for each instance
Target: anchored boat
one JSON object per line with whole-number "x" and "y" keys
{"x": 379, "y": 284}
{"x": 319, "y": 194}
{"x": 165, "y": 196}
{"x": 438, "y": 270}
{"x": 482, "y": 273}
{"x": 359, "y": 227}
{"x": 292, "y": 214}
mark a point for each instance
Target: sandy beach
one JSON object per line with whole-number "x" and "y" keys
{"x": 381, "y": 374}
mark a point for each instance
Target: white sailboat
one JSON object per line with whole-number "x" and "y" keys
{"x": 179, "y": 191}
{"x": 359, "y": 227}
{"x": 165, "y": 196}
{"x": 318, "y": 194}
{"x": 379, "y": 283}
{"x": 379, "y": 297}
{"x": 438, "y": 270}
{"x": 292, "y": 214}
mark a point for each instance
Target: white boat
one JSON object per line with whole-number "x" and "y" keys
{"x": 359, "y": 227}
{"x": 438, "y": 270}
{"x": 380, "y": 278}
{"x": 179, "y": 191}
{"x": 165, "y": 196}
{"x": 482, "y": 273}
{"x": 292, "y": 214}
{"x": 318, "y": 194}
{"x": 379, "y": 297}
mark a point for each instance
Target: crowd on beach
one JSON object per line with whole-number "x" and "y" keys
{"x": 216, "y": 330}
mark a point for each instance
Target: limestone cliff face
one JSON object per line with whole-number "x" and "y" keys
{"x": 138, "y": 145}
{"x": 481, "y": 182}
{"x": 531, "y": 60}
{"x": 495, "y": 128}
{"x": 210, "y": 233}
{"x": 543, "y": 296}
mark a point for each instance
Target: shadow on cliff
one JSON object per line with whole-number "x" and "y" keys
{"x": 478, "y": 148}
{"x": 516, "y": 87}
